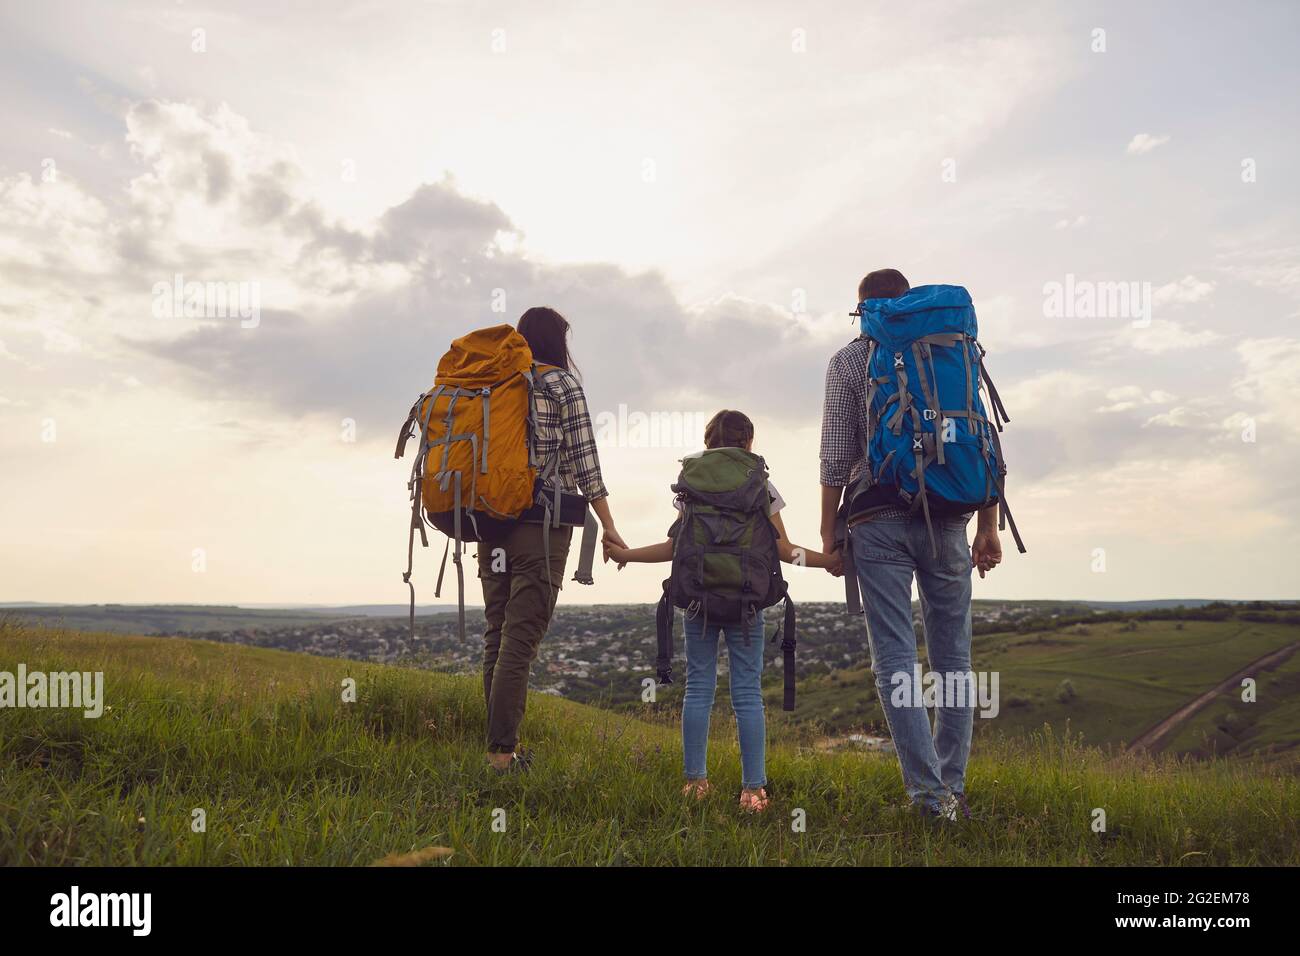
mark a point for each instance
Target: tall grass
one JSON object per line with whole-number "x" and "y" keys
{"x": 286, "y": 772}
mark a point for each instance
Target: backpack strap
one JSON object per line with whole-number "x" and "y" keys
{"x": 664, "y": 619}
{"x": 852, "y": 595}
{"x": 999, "y": 410}
{"x": 460, "y": 570}
{"x": 487, "y": 404}
{"x": 787, "y": 625}
{"x": 920, "y": 353}
{"x": 1004, "y": 513}
{"x": 587, "y": 551}
{"x": 922, "y": 499}
{"x": 416, "y": 485}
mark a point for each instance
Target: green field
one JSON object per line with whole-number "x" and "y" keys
{"x": 1125, "y": 675}
{"x": 287, "y": 773}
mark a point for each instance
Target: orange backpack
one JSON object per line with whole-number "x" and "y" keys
{"x": 477, "y": 467}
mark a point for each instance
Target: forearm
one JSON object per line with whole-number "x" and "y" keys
{"x": 603, "y": 514}
{"x": 831, "y": 496}
{"x": 803, "y": 557}
{"x": 650, "y": 554}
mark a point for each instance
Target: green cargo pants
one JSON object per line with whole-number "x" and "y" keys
{"x": 518, "y": 603}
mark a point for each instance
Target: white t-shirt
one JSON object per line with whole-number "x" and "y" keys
{"x": 775, "y": 504}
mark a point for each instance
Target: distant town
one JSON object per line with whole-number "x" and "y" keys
{"x": 591, "y": 653}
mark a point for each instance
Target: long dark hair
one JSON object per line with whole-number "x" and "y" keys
{"x": 547, "y": 333}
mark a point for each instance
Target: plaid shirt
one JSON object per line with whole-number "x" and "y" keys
{"x": 845, "y": 422}
{"x": 844, "y": 415}
{"x": 564, "y": 425}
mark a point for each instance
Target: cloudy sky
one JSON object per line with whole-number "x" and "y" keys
{"x": 699, "y": 191}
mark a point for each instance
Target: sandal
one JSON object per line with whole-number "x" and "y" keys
{"x": 754, "y": 801}
{"x": 699, "y": 789}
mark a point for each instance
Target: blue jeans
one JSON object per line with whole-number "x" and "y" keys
{"x": 888, "y": 553}
{"x": 745, "y": 656}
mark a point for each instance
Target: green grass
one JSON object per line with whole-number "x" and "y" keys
{"x": 1126, "y": 676}
{"x": 289, "y": 774}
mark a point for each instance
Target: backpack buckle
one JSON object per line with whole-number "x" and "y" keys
{"x": 929, "y": 414}
{"x": 898, "y": 360}
{"x": 917, "y": 443}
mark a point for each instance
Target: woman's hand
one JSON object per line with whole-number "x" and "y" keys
{"x": 609, "y": 534}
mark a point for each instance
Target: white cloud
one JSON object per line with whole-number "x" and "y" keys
{"x": 1186, "y": 291}
{"x": 1127, "y": 397}
{"x": 1271, "y": 379}
{"x": 1165, "y": 335}
{"x": 1077, "y": 222}
{"x": 1143, "y": 143}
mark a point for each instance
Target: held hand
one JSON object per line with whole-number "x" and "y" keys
{"x": 986, "y": 551}
{"x": 831, "y": 548}
{"x": 611, "y": 537}
{"x": 835, "y": 567}
{"x": 616, "y": 554}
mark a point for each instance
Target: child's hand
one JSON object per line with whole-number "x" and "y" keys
{"x": 617, "y": 554}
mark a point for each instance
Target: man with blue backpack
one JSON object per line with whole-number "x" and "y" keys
{"x": 910, "y": 449}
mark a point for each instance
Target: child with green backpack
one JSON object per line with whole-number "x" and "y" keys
{"x": 726, "y": 547}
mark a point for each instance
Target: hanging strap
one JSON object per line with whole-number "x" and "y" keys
{"x": 852, "y": 595}
{"x": 999, "y": 410}
{"x": 1004, "y": 513}
{"x": 587, "y": 551}
{"x": 442, "y": 567}
{"x": 416, "y": 487}
{"x": 785, "y": 629}
{"x": 460, "y": 570}
{"x": 664, "y": 615}
{"x": 487, "y": 402}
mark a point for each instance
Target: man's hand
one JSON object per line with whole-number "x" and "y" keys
{"x": 832, "y": 550}
{"x": 836, "y": 566}
{"x": 986, "y": 550}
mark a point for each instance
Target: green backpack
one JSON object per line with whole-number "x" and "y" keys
{"x": 726, "y": 566}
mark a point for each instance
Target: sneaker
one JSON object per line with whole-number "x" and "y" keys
{"x": 945, "y": 811}
{"x": 520, "y": 761}
{"x": 962, "y": 806}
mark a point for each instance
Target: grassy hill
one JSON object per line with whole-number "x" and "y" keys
{"x": 287, "y": 773}
{"x": 1123, "y": 676}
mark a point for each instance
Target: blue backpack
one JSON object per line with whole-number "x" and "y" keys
{"x": 930, "y": 443}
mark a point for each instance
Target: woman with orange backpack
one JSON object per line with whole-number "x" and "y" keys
{"x": 521, "y": 565}
{"x": 507, "y": 459}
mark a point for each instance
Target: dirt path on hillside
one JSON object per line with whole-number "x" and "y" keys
{"x": 1155, "y": 738}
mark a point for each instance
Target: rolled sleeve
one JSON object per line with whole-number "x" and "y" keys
{"x": 579, "y": 450}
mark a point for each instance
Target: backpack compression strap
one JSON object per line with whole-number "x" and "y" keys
{"x": 416, "y": 486}
{"x": 852, "y": 595}
{"x": 664, "y": 615}
{"x": 787, "y": 652}
{"x": 587, "y": 553}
